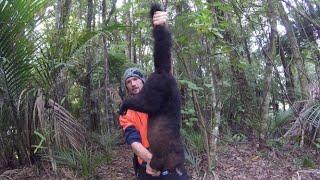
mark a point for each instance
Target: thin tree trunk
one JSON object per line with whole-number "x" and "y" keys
{"x": 62, "y": 19}
{"x": 312, "y": 36}
{"x": 140, "y": 48}
{"x": 245, "y": 42}
{"x": 270, "y": 56}
{"x": 310, "y": 20}
{"x": 303, "y": 77}
{"x": 107, "y": 103}
{"x": 132, "y": 43}
{"x": 199, "y": 113}
{"x": 134, "y": 51}
{"x": 216, "y": 79}
{"x": 89, "y": 59}
{"x": 317, "y": 68}
{"x": 314, "y": 14}
{"x": 58, "y": 10}
{"x": 106, "y": 119}
{"x": 128, "y": 21}
{"x": 287, "y": 74}
{"x": 217, "y": 106}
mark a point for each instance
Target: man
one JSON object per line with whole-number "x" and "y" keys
{"x": 135, "y": 123}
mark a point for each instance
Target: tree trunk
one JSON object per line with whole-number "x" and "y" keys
{"x": 134, "y": 55}
{"x": 287, "y": 74}
{"x": 242, "y": 85}
{"x": 128, "y": 22}
{"x": 107, "y": 103}
{"x": 59, "y": 89}
{"x": 87, "y": 80}
{"x": 313, "y": 38}
{"x": 140, "y": 48}
{"x": 199, "y": 113}
{"x": 317, "y": 68}
{"x": 245, "y": 42}
{"x": 106, "y": 120}
{"x": 303, "y": 77}
{"x": 314, "y": 14}
{"x": 216, "y": 79}
{"x": 270, "y": 56}
{"x": 58, "y": 13}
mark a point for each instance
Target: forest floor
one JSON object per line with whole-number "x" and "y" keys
{"x": 239, "y": 162}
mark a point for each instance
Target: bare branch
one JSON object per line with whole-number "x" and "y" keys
{"x": 302, "y": 14}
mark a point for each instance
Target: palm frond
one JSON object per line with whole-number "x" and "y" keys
{"x": 16, "y": 49}
{"x": 311, "y": 116}
{"x": 68, "y": 131}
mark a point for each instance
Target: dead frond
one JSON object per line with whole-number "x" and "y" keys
{"x": 67, "y": 130}
{"x": 307, "y": 116}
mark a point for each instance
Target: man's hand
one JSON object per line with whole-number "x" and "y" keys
{"x": 160, "y": 18}
{"x": 151, "y": 171}
{"x": 143, "y": 153}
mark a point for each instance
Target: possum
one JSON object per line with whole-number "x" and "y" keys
{"x": 160, "y": 99}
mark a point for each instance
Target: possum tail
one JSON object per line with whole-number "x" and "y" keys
{"x": 162, "y": 44}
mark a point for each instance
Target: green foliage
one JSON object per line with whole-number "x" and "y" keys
{"x": 194, "y": 140}
{"x": 84, "y": 161}
{"x": 232, "y": 109}
{"x": 309, "y": 163}
{"x": 239, "y": 137}
{"x": 226, "y": 7}
{"x": 75, "y": 99}
{"x": 190, "y": 85}
{"x": 189, "y": 117}
{"x": 193, "y": 159}
{"x": 203, "y": 23}
{"x": 275, "y": 143}
{"x": 106, "y": 139}
{"x": 194, "y": 146}
{"x": 276, "y": 124}
{"x": 297, "y": 162}
{"x": 117, "y": 62}
{"x": 42, "y": 140}
{"x": 34, "y": 52}
{"x": 306, "y": 162}
{"x": 16, "y": 46}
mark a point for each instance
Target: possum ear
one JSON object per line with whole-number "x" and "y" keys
{"x": 155, "y": 7}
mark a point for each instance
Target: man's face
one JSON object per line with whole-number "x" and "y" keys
{"x": 134, "y": 85}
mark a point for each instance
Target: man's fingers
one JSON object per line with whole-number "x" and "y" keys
{"x": 154, "y": 173}
{"x": 151, "y": 171}
{"x": 160, "y": 18}
{"x": 159, "y": 13}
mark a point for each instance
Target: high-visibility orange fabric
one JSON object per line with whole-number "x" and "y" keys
{"x": 140, "y": 121}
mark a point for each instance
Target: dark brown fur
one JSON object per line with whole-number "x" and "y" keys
{"x": 160, "y": 99}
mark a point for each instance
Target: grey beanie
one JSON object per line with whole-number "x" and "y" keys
{"x": 133, "y": 72}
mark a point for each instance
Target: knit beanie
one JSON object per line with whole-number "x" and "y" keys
{"x": 133, "y": 72}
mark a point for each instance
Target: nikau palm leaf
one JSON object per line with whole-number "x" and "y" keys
{"x": 68, "y": 131}
{"x": 312, "y": 117}
{"x": 308, "y": 119}
{"x": 16, "y": 48}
